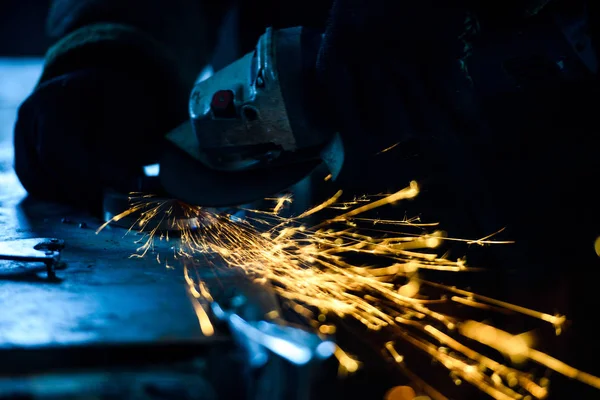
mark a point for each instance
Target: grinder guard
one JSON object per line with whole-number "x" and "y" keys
{"x": 255, "y": 126}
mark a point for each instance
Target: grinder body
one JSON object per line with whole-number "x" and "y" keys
{"x": 255, "y": 126}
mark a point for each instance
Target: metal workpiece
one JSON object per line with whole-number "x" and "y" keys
{"x": 246, "y": 311}
{"x": 126, "y": 325}
{"x": 283, "y": 361}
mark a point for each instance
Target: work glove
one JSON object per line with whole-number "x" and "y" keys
{"x": 96, "y": 118}
{"x": 87, "y": 130}
{"x": 115, "y": 82}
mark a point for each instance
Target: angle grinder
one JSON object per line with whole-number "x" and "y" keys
{"x": 256, "y": 128}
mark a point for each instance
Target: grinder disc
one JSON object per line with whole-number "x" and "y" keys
{"x": 188, "y": 179}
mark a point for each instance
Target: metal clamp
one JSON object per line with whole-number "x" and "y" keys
{"x": 36, "y": 250}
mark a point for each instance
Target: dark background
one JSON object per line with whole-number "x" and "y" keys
{"x": 22, "y": 25}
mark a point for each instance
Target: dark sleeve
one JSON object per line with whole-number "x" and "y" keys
{"x": 594, "y": 23}
{"x": 179, "y": 36}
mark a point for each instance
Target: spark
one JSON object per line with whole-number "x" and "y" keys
{"x": 280, "y": 203}
{"x": 388, "y": 148}
{"x": 556, "y": 320}
{"x": 471, "y": 303}
{"x": 397, "y": 357}
{"x": 515, "y": 347}
{"x": 347, "y": 363}
{"x": 206, "y": 325}
{"x": 321, "y": 206}
{"x": 406, "y": 193}
{"x": 312, "y": 269}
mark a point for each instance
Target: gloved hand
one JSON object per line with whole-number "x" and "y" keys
{"x": 86, "y": 130}
{"x": 117, "y": 80}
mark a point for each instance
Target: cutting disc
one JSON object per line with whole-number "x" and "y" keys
{"x": 184, "y": 177}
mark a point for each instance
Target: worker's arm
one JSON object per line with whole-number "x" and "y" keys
{"x": 116, "y": 80}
